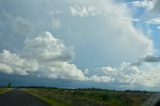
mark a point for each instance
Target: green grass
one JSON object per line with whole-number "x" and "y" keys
{"x": 89, "y": 97}
{"x": 45, "y": 98}
{"x": 4, "y": 90}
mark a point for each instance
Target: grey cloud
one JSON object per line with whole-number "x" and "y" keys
{"x": 150, "y": 58}
{"x": 22, "y": 26}
{"x": 147, "y": 59}
{"x": 156, "y": 7}
{"x": 154, "y": 10}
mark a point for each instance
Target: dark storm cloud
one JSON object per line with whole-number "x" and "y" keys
{"x": 147, "y": 59}
{"x": 150, "y": 58}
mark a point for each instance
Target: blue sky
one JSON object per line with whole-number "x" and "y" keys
{"x": 107, "y": 44}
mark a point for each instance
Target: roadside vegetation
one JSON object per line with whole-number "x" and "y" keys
{"x": 4, "y": 90}
{"x": 89, "y": 97}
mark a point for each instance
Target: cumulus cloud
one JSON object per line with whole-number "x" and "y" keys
{"x": 12, "y": 63}
{"x": 53, "y": 56}
{"x": 128, "y": 76}
{"x": 47, "y": 48}
{"x": 47, "y": 57}
{"x": 100, "y": 25}
{"x": 105, "y": 35}
{"x": 44, "y": 56}
{"x": 105, "y": 29}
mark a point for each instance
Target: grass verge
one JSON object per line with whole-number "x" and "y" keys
{"x": 50, "y": 101}
{"x": 4, "y": 90}
{"x": 89, "y": 97}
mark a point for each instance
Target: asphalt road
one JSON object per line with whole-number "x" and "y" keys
{"x": 19, "y": 97}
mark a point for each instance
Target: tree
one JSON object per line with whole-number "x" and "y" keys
{"x": 9, "y": 85}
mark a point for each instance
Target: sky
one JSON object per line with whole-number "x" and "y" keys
{"x": 109, "y": 44}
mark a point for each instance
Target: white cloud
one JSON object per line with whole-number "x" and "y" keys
{"x": 100, "y": 79}
{"x": 43, "y": 56}
{"x": 46, "y": 56}
{"x": 47, "y": 48}
{"x": 5, "y": 68}
{"x": 104, "y": 33}
{"x": 126, "y": 36}
{"x": 53, "y": 57}
{"x": 62, "y": 70}
{"x": 131, "y": 19}
{"x": 107, "y": 38}
{"x": 82, "y": 11}
{"x": 87, "y": 34}
{"x": 155, "y": 21}
{"x": 129, "y": 76}
{"x": 12, "y": 63}
{"x": 142, "y": 4}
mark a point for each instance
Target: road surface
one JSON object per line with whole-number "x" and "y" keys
{"x": 19, "y": 97}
